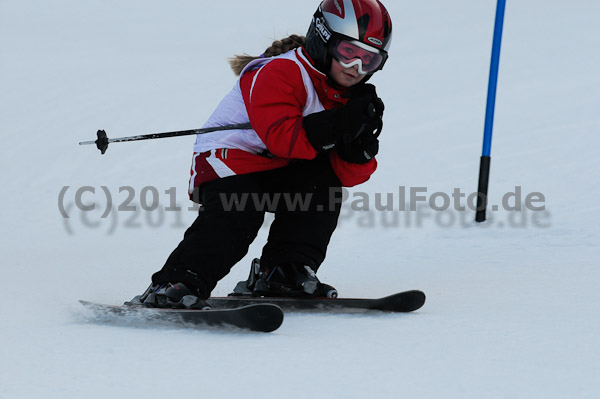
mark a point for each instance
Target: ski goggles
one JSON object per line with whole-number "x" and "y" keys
{"x": 351, "y": 52}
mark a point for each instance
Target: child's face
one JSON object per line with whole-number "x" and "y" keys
{"x": 345, "y": 77}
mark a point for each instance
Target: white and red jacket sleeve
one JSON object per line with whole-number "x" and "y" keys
{"x": 275, "y": 96}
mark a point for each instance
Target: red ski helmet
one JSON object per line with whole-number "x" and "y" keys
{"x": 365, "y": 24}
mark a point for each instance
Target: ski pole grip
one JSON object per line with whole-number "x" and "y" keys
{"x": 371, "y": 113}
{"x": 371, "y": 110}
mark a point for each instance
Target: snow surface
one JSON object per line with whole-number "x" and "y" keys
{"x": 512, "y": 308}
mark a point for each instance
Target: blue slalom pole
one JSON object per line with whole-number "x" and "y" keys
{"x": 484, "y": 167}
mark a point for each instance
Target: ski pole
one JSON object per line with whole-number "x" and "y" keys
{"x": 103, "y": 141}
{"x": 484, "y": 167}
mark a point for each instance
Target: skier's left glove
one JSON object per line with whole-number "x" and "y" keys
{"x": 362, "y": 114}
{"x": 361, "y": 150}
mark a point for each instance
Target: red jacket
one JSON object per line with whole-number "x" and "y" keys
{"x": 275, "y": 96}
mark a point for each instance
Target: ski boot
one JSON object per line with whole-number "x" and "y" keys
{"x": 167, "y": 295}
{"x": 289, "y": 280}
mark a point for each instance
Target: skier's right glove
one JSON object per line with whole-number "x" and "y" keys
{"x": 361, "y": 115}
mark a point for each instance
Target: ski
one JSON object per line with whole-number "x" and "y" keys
{"x": 263, "y": 317}
{"x": 402, "y": 302}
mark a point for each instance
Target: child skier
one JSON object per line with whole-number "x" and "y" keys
{"x": 315, "y": 127}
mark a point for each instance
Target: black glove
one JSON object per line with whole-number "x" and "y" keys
{"x": 361, "y": 115}
{"x": 361, "y": 150}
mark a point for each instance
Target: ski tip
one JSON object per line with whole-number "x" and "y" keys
{"x": 402, "y": 302}
{"x": 414, "y": 300}
{"x": 264, "y": 317}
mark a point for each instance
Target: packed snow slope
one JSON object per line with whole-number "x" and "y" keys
{"x": 512, "y": 303}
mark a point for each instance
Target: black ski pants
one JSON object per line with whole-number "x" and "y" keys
{"x": 305, "y": 198}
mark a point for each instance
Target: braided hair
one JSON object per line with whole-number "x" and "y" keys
{"x": 239, "y": 62}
